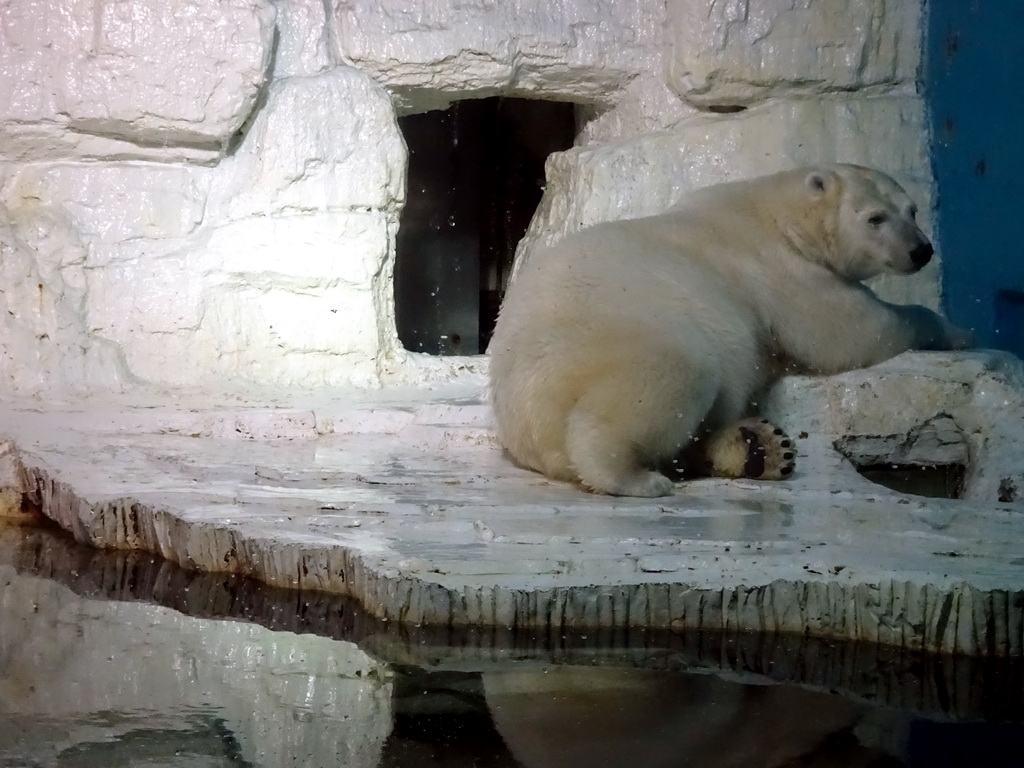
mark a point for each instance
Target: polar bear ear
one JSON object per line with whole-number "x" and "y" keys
{"x": 818, "y": 182}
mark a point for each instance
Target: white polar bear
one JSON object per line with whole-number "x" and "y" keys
{"x": 633, "y": 345}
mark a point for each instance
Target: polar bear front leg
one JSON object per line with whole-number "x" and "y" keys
{"x": 753, "y": 448}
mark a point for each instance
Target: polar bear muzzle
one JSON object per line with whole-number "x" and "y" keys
{"x": 921, "y": 255}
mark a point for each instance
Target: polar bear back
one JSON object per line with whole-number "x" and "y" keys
{"x": 617, "y": 296}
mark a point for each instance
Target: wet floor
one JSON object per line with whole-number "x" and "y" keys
{"x": 119, "y": 659}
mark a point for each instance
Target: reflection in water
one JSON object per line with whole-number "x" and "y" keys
{"x": 197, "y": 741}
{"x": 605, "y": 717}
{"x": 591, "y": 717}
{"x": 110, "y": 659}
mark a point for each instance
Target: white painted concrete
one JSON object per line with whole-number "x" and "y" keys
{"x": 737, "y": 53}
{"x": 144, "y": 79}
{"x": 205, "y": 194}
{"x": 437, "y": 51}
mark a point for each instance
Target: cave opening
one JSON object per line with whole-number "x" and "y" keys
{"x": 475, "y": 178}
{"x": 937, "y": 481}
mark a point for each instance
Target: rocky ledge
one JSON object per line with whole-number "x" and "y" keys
{"x": 401, "y": 500}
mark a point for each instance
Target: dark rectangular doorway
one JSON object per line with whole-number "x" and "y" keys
{"x": 476, "y": 175}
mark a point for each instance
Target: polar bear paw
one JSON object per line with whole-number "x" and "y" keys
{"x": 753, "y": 448}
{"x": 638, "y": 483}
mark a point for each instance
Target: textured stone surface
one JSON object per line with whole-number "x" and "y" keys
{"x": 302, "y": 43}
{"x": 272, "y": 268}
{"x": 206, "y": 195}
{"x": 323, "y": 142}
{"x": 433, "y": 51}
{"x": 646, "y": 105}
{"x": 289, "y": 280}
{"x": 145, "y": 79}
{"x": 12, "y": 482}
{"x": 974, "y": 399}
{"x": 47, "y": 343}
{"x": 403, "y": 501}
{"x": 735, "y": 53}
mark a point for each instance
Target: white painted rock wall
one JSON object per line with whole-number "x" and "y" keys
{"x": 432, "y": 52}
{"x": 105, "y": 80}
{"x": 205, "y": 193}
{"x": 742, "y": 52}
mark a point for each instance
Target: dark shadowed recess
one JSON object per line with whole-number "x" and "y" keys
{"x": 476, "y": 175}
{"x": 937, "y": 481}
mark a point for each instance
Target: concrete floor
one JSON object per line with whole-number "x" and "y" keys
{"x": 401, "y": 500}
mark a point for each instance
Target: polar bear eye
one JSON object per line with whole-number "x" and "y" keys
{"x": 877, "y": 219}
{"x": 912, "y": 212}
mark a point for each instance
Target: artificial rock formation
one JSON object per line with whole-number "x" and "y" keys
{"x": 206, "y": 194}
{"x": 199, "y": 201}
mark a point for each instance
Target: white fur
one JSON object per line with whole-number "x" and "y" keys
{"x": 623, "y": 342}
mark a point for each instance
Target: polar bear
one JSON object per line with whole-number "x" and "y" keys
{"x": 632, "y": 345}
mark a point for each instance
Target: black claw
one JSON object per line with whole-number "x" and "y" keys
{"x": 778, "y": 431}
{"x": 754, "y": 466}
{"x": 787, "y": 456}
{"x": 765, "y": 421}
{"x": 785, "y": 471}
{"x": 785, "y": 443}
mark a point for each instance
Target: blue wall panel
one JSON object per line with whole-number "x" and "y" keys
{"x": 974, "y": 83}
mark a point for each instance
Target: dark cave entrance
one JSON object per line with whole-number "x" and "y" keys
{"x": 476, "y": 175}
{"x": 938, "y": 481}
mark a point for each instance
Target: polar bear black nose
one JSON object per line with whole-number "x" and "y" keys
{"x": 921, "y": 254}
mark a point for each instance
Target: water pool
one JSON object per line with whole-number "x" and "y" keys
{"x": 121, "y": 659}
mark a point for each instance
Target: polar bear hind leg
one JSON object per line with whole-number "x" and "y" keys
{"x": 607, "y": 463}
{"x": 624, "y": 427}
{"x": 753, "y": 448}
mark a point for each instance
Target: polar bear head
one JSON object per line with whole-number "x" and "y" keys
{"x": 872, "y": 222}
